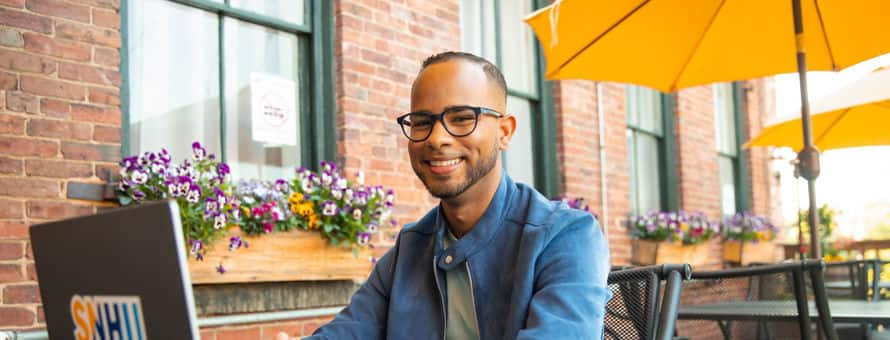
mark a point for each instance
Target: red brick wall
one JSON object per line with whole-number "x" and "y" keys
{"x": 379, "y": 48}
{"x": 578, "y": 150}
{"x": 59, "y": 123}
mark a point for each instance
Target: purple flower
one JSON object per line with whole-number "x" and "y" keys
{"x": 236, "y": 242}
{"x": 361, "y": 197}
{"x": 326, "y": 178}
{"x": 357, "y": 214}
{"x": 194, "y": 193}
{"x": 268, "y": 227}
{"x": 329, "y": 208}
{"x": 220, "y": 196}
{"x": 363, "y": 238}
{"x": 281, "y": 185}
{"x": 328, "y": 166}
{"x": 139, "y": 177}
{"x": 372, "y": 227}
{"x": 223, "y": 170}
{"x": 138, "y": 194}
{"x": 158, "y": 168}
{"x": 128, "y": 163}
{"x": 199, "y": 152}
{"x": 165, "y": 156}
{"x": 195, "y": 246}
{"x": 220, "y": 269}
{"x": 219, "y": 221}
{"x": 308, "y": 185}
{"x": 339, "y": 183}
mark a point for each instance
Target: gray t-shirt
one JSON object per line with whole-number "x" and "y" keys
{"x": 461, "y": 323}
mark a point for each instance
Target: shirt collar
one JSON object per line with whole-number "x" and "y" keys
{"x": 482, "y": 232}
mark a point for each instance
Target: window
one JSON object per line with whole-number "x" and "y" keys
{"x": 649, "y": 147}
{"x": 495, "y": 30}
{"x": 189, "y": 66}
{"x": 727, "y": 121}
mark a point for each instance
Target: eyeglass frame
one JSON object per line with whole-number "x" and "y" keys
{"x": 440, "y": 117}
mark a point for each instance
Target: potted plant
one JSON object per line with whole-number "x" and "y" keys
{"x": 748, "y": 238}
{"x": 316, "y": 226}
{"x": 671, "y": 237}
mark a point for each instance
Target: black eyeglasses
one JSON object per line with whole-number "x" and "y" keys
{"x": 459, "y": 121}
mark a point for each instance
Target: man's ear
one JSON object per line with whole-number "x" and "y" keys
{"x": 506, "y": 128}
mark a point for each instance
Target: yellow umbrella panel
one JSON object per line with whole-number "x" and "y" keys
{"x": 863, "y": 125}
{"x": 858, "y": 114}
{"x": 673, "y": 44}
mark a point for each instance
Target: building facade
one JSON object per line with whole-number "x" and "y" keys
{"x": 84, "y": 83}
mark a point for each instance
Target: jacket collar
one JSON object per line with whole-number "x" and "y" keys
{"x": 482, "y": 232}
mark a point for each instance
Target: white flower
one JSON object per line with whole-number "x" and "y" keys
{"x": 308, "y": 186}
{"x": 337, "y": 194}
{"x": 219, "y": 221}
{"x": 326, "y": 178}
{"x": 360, "y": 177}
{"x": 357, "y": 213}
{"x": 372, "y": 228}
{"x": 193, "y": 196}
{"x": 139, "y": 177}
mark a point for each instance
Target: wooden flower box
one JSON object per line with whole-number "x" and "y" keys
{"x": 649, "y": 253}
{"x": 745, "y": 253}
{"x": 296, "y": 255}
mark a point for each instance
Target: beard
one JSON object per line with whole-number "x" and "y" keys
{"x": 474, "y": 174}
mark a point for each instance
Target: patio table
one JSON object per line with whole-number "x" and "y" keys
{"x": 855, "y": 311}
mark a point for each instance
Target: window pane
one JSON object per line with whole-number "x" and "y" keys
{"x": 477, "y": 28}
{"x": 520, "y": 164}
{"x": 647, "y": 176}
{"x": 517, "y": 46}
{"x": 727, "y": 185}
{"x": 174, "y": 87}
{"x": 632, "y": 170}
{"x": 288, "y": 10}
{"x": 644, "y": 109}
{"x": 724, "y": 111}
{"x": 252, "y": 49}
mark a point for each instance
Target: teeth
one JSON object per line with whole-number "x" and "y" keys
{"x": 445, "y": 163}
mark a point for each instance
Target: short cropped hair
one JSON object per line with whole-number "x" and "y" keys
{"x": 494, "y": 74}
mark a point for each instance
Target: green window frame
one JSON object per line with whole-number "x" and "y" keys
{"x": 734, "y": 154}
{"x": 663, "y": 133}
{"x": 315, "y": 40}
{"x": 543, "y": 134}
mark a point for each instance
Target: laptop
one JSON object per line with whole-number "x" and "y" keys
{"x": 120, "y": 274}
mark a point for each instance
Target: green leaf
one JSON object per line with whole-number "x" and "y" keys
{"x": 355, "y": 252}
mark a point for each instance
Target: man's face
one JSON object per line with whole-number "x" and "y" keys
{"x": 449, "y": 165}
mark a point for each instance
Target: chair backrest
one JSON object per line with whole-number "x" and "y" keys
{"x": 848, "y": 279}
{"x": 634, "y": 312}
{"x": 788, "y": 286}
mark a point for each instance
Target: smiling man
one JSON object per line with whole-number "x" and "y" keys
{"x": 495, "y": 259}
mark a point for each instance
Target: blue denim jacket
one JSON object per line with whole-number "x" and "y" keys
{"x": 538, "y": 270}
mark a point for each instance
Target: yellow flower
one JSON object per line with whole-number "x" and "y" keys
{"x": 684, "y": 227}
{"x": 303, "y": 209}
{"x": 245, "y": 211}
{"x": 295, "y": 198}
{"x": 760, "y": 235}
{"x": 313, "y": 222}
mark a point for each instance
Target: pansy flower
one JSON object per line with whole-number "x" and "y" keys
{"x": 329, "y": 208}
{"x": 198, "y": 151}
{"x": 362, "y": 239}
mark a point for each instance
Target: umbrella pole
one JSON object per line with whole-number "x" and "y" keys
{"x": 809, "y": 155}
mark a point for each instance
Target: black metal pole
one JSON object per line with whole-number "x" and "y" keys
{"x": 809, "y": 155}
